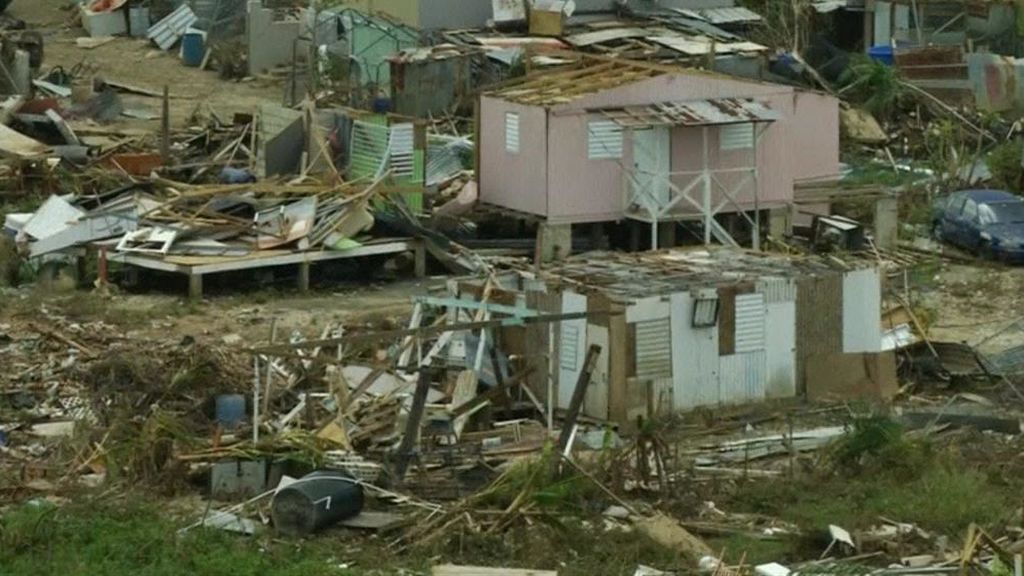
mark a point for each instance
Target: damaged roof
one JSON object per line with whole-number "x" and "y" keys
{"x": 626, "y": 276}
{"x": 694, "y": 113}
{"x": 589, "y": 75}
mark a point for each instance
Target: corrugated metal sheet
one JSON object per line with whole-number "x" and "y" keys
{"x": 714, "y": 112}
{"x": 734, "y": 15}
{"x": 777, "y": 290}
{"x": 862, "y": 311}
{"x": 742, "y": 377}
{"x": 750, "y": 313}
{"x": 168, "y": 31}
{"x": 695, "y": 362}
{"x": 654, "y": 349}
{"x": 368, "y": 149}
{"x": 444, "y": 157}
{"x": 604, "y": 140}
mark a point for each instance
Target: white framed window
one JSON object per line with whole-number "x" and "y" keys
{"x": 512, "y": 132}
{"x": 736, "y": 137}
{"x": 604, "y": 140}
{"x": 705, "y": 312}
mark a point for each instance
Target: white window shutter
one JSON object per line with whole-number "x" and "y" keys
{"x": 736, "y": 137}
{"x": 604, "y": 140}
{"x": 402, "y": 150}
{"x": 512, "y": 132}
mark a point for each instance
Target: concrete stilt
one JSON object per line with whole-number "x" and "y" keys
{"x": 887, "y": 221}
{"x": 195, "y": 286}
{"x": 556, "y": 241}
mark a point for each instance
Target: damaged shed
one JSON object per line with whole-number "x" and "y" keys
{"x": 694, "y": 328}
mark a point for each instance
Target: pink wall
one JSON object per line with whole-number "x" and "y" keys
{"x": 516, "y": 181}
{"x": 814, "y": 150}
{"x": 773, "y": 161}
{"x": 552, "y": 175}
{"x": 580, "y": 189}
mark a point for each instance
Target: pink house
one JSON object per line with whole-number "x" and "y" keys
{"x": 612, "y": 140}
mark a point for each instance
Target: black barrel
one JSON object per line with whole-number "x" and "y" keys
{"x": 316, "y": 501}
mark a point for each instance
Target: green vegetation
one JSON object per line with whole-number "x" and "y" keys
{"x": 873, "y": 84}
{"x": 1004, "y": 161}
{"x": 877, "y": 470}
{"x": 103, "y": 539}
{"x": 131, "y": 537}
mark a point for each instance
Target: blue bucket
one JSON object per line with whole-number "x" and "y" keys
{"x": 883, "y": 53}
{"x": 193, "y": 48}
{"x": 230, "y": 410}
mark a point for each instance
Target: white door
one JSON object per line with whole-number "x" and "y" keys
{"x": 596, "y": 403}
{"x": 651, "y": 162}
{"x": 695, "y": 361}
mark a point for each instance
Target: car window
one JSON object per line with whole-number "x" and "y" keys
{"x": 955, "y": 206}
{"x": 1008, "y": 212}
{"x": 971, "y": 211}
{"x": 986, "y": 215}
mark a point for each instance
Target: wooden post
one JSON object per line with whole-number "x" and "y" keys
{"x": 412, "y": 425}
{"x": 420, "y": 262}
{"x": 303, "y": 279}
{"x": 165, "y": 127}
{"x": 578, "y": 395}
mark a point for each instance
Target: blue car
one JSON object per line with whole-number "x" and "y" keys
{"x": 989, "y": 223}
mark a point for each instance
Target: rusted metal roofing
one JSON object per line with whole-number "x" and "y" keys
{"x": 733, "y": 15}
{"x": 694, "y": 113}
{"x": 567, "y": 85}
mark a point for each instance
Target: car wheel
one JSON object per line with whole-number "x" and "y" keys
{"x": 985, "y": 252}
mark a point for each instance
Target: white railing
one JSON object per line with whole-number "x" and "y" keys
{"x": 654, "y": 197}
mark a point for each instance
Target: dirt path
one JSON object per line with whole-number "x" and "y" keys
{"x": 140, "y": 63}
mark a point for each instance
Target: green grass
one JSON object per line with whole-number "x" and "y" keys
{"x": 753, "y": 551}
{"x": 137, "y": 537}
{"x": 99, "y": 540}
{"x": 939, "y": 497}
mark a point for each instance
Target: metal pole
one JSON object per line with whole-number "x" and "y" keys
{"x": 757, "y": 194}
{"x": 707, "y": 187}
{"x": 165, "y": 126}
{"x": 255, "y": 398}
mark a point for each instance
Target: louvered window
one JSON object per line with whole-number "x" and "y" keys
{"x": 512, "y": 132}
{"x": 736, "y": 137}
{"x": 604, "y": 140}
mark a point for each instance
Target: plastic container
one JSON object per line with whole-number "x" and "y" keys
{"x": 230, "y": 410}
{"x": 883, "y": 53}
{"x": 193, "y": 47}
{"x": 138, "y": 21}
{"x": 316, "y": 501}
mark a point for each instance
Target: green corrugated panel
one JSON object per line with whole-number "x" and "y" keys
{"x": 369, "y": 144}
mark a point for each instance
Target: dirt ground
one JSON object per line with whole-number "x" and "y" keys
{"x": 140, "y": 63}
{"x": 979, "y": 305}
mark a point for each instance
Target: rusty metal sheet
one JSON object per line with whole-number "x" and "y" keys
{"x": 693, "y": 113}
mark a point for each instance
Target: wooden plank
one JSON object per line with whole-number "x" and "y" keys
{"x": 578, "y": 395}
{"x": 453, "y": 570}
{"x": 14, "y": 144}
{"x": 374, "y": 520}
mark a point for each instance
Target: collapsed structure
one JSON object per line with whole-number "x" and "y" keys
{"x": 686, "y": 329}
